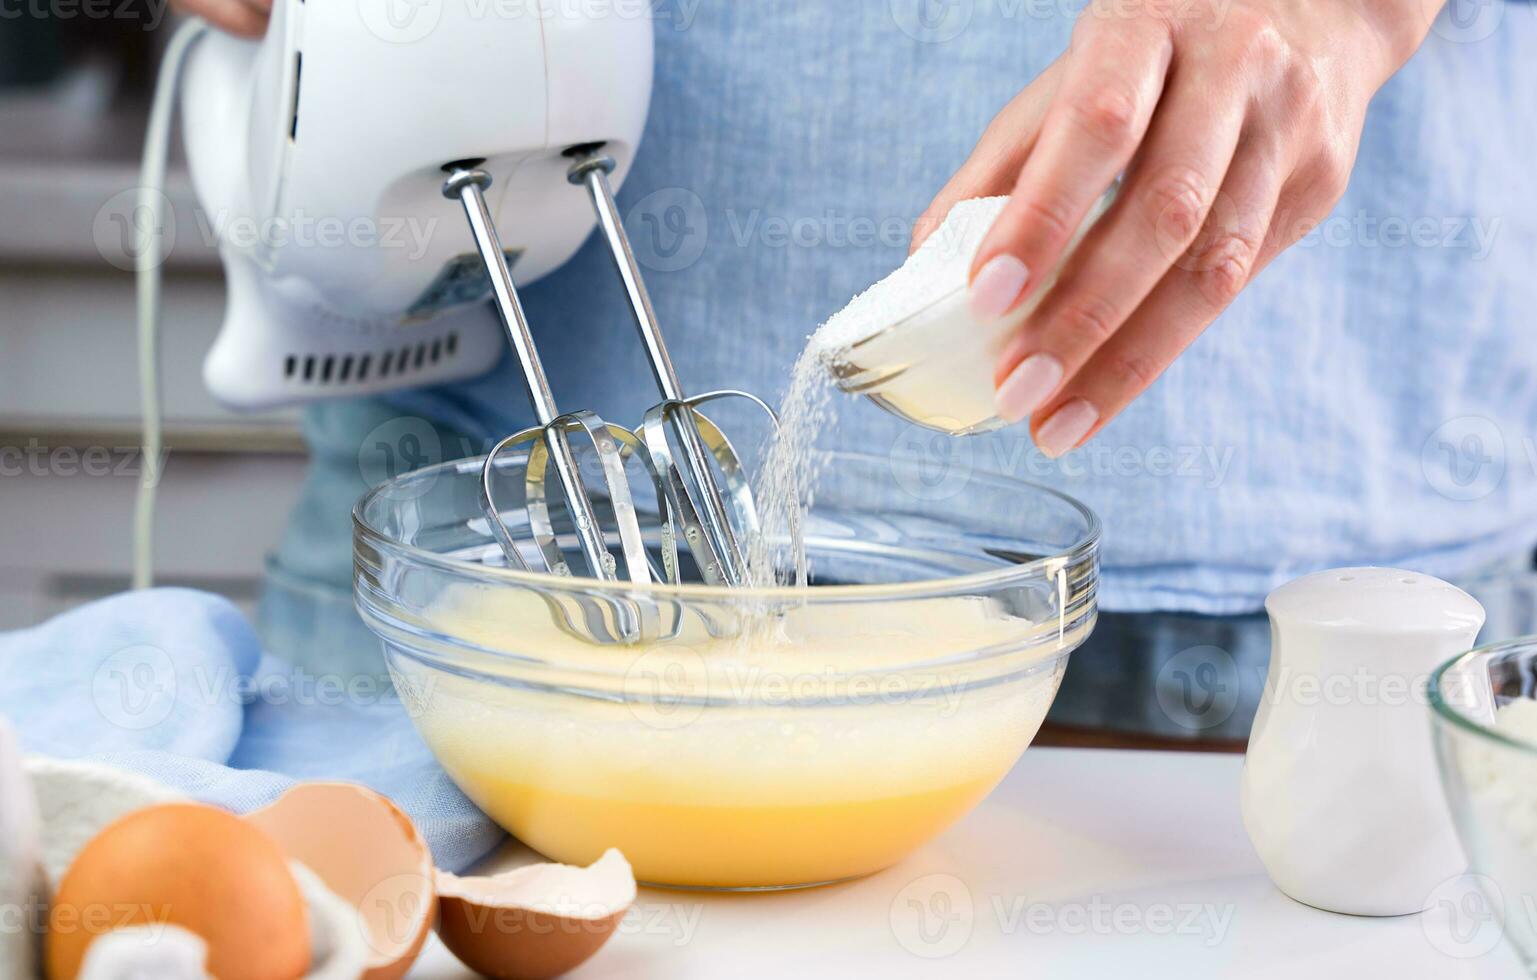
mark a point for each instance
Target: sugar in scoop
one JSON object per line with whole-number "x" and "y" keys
{"x": 937, "y": 269}
{"x": 910, "y": 341}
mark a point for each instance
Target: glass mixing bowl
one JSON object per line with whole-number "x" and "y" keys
{"x": 1489, "y": 773}
{"x": 775, "y": 737}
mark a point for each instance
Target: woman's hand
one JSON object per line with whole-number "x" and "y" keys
{"x": 1236, "y": 123}
{"x": 243, "y": 18}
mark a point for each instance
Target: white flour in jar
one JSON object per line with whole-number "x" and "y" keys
{"x": 1501, "y": 802}
{"x": 1498, "y": 783}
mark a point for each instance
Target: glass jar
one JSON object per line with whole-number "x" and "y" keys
{"x": 1490, "y": 779}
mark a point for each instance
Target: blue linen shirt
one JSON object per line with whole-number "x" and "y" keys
{"x": 1370, "y": 399}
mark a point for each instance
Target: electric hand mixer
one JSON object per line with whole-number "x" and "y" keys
{"x": 372, "y": 115}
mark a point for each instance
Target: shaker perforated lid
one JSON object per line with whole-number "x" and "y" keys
{"x": 1381, "y": 600}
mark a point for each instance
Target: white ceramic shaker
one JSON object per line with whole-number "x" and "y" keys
{"x": 1340, "y": 793}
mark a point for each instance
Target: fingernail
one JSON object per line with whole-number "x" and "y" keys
{"x": 1066, "y": 427}
{"x": 1027, "y": 386}
{"x": 997, "y": 286}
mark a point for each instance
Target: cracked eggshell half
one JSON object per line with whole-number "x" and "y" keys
{"x": 537, "y": 921}
{"x": 22, "y": 884}
{"x": 368, "y": 852}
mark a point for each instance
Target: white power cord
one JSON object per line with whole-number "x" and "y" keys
{"x": 147, "y": 276}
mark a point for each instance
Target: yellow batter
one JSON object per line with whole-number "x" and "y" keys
{"x": 766, "y": 790}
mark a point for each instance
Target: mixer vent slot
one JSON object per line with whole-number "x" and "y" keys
{"x": 293, "y": 110}
{"x": 341, "y": 369}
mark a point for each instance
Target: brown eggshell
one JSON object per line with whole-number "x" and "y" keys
{"x": 534, "y": 922}
{"x": 368, "y": 852}
{"x": 189, "y": 865}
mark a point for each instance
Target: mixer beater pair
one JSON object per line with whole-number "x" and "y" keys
{"x": 702, "y": 490}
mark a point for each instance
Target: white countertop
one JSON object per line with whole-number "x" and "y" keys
{"x": 1083, "y": 863}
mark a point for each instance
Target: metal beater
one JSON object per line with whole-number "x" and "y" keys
{"x": 700, "y": 483}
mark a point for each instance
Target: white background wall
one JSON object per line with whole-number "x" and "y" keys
{"x": 69, "y": 385}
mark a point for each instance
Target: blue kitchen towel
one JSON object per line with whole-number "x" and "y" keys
{"x": 172, "y": 683}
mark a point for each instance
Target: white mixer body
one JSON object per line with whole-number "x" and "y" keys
{"x": 317, "y": 156}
